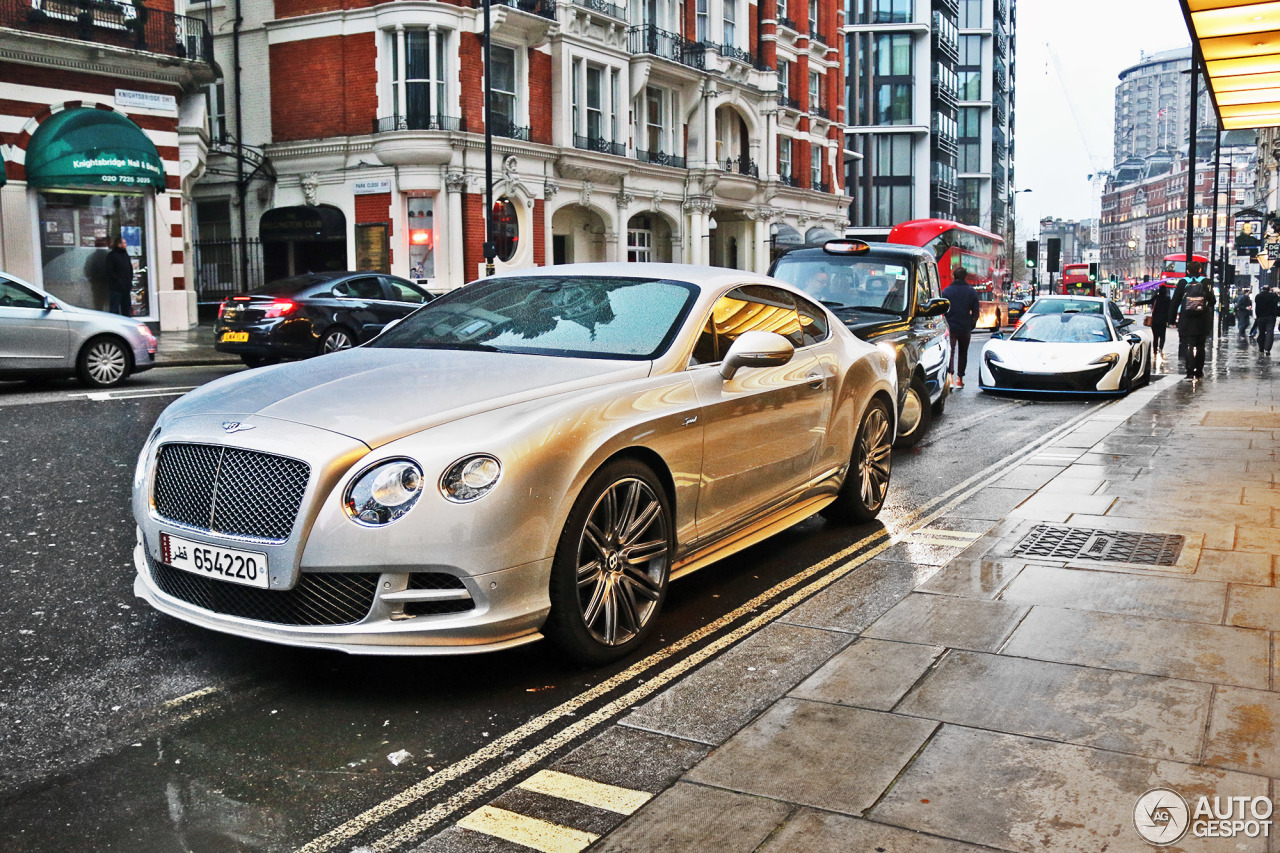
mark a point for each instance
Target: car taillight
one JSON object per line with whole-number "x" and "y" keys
{"x": 280, "y": 308}
{"x": 222, "y": 307}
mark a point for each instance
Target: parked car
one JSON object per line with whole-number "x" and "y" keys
{"x": 1017, "y": 308}
{"x": 1072, "y": 352}
{"x": 1079, "y": 305}
{"x": 537, "y": 453}
{"x": 44, "y": 336}
{"x": 312, "y": 314}
{"x": 886, "y": 294}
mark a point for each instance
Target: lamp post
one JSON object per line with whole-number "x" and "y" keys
{"x": 490, "y": 250}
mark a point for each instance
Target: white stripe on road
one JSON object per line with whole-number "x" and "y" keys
{"x": 500, "y": 747}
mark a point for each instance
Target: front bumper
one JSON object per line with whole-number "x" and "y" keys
{"x": 509, "y": 609}
{"x": 274, "y": 337}
{"x": 995, "y": 377}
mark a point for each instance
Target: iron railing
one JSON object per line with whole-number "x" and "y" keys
{"x": 743, "y": 165}
{"x": 649, "y": 39}
{"x": 418, "y": 121}
{"x": 820, "y": 112}
{"x": 788, "y": 103}
{"x": 815, "y": 35}
{"x": 226, "y": 267}
{"x": 125, "y": 25}
{"x": 820, "y": 186}
{"x": 510, "y": 130}
{"x": 604, "y": 8}
{"x": 541, "y": 8}
{"x": 728, "y": 51}
{"x": 784, "y": 21}
{"x": 788, "y": 180}
{"x": 599, "y": 145}
{"x": 660, "y": 158}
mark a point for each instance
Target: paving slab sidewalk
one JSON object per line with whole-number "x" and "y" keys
{"x": 1017, "y": 698}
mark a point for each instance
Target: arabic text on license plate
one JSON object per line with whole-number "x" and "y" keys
{"x": 226, "y": 564}
{"x": 235, "y": 337}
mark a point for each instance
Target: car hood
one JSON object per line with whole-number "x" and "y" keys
{"x": 380, "y": 395}
{"x": 870, "y": 325}
{"x": 1051, "y": 358}
{"x": 79, "y": 313}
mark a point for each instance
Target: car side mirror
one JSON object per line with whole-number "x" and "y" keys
{"x": 1134, "y": 339}
{"x": 933, "y": 308}
{"x": 49, "y": 304}
{"x": 997, "y": 336}
{"x": 756, "y": 349}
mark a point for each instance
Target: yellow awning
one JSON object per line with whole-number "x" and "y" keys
{"x": 1240, "y": 43}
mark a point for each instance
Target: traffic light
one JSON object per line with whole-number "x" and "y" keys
{"x": 1093, "y": 271}
{"x": 1033, "y": 253}
{"x": 1054, "y": 259}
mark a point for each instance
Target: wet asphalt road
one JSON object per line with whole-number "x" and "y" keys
{"x": 121, "y": 729}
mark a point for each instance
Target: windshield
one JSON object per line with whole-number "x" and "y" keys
{"x": 1064, "y": 306}
{"x": 1063, "y": 329}
{"x": 846, "y": 284}
{"x": 586, "y": 316}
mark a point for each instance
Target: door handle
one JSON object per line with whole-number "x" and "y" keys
{"x": 816, "y": 379}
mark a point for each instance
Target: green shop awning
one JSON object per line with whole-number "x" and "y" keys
{"x": 92, "y": 148}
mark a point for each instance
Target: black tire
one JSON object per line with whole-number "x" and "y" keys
{"x": 104, "y": 362}
{"x": 940, "y": 405}
{"x": 604, "y": 604}
{"x": 258, "y": 360}
{"x": 915, "y": 412}
{"x": 1147, "y": 370}
{"x": 867, "y": 483}
{"x": 336, "y": 339}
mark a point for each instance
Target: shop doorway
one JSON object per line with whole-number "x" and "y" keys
{"x": 302, "y": 239}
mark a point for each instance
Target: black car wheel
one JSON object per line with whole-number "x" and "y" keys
{"x": 916, "y": 414}
{"x": 336, "y": 340}
{"x": 867, "y": 482}
{"x": 103, "y": 363}
{"x": 940, "y": 405}
{"x": 612, "y": 565}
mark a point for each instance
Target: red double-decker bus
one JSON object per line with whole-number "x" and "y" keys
{"x": 1075, "y": 281}
{"x": 1175, "y": 266}
{"x": 954, "y": 245}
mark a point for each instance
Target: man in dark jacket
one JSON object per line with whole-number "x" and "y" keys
{"x": 1160, "y": 309}
{"x": 1265, "y": 305}
{"x": 962, "y": 317}
{"x": 1193, "y": 303}
{"x": 119, "y": 269}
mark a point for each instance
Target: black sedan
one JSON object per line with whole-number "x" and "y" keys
{"x": 312, "y": 314}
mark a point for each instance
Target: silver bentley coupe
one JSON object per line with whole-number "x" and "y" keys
{"x": 537, "y": 453}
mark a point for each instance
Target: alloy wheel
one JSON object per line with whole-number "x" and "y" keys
{"x": 874, "y": 454}
{"x": 106, "y": 363}
{"x": 912, "y": 411}
{"x": 336, "y": 342}
{"x": 623, "y": 558}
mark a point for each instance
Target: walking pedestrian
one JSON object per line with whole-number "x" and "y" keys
{"x": 1161, "y": 305}
{"x": 119, "y": 268}
{"x": 1193, "y": 303}
{"x": 962, "y": 318}
{"x": 1265, "y": 306}
{"x": 1244, "y": 310}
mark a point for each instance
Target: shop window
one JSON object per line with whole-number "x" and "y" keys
{"x": 506, "y": 229}
{"x": 422, "y": 237}
{"x": 76, "y": 232}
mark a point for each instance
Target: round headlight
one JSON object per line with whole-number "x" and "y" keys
{"x": 384, "y": 493}
{"x": 470, "y": 478}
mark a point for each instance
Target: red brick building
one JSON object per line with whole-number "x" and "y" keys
{"x": 659, "y": 131}
{"x": 102, "y": 132}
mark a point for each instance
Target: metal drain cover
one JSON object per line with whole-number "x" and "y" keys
{"x": 1110, "y": 546}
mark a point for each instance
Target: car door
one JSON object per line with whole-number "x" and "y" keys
{"x": 31, "y": 336}
{"x": 932, "y": 337}
{"x": 359, "y": 306}
{"x": 763, "y": 427}
{"x": 403, "y": 298}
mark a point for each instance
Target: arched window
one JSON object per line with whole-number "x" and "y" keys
{"x": 506, "y": 229}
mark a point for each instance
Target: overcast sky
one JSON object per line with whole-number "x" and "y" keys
{"x": 1093, "y": 41}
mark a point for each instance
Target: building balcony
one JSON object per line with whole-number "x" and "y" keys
{"x": 820, "y": 186}
{"x": 416, "y": 121}
{"x": 128, "y": 26}
{"x": 951, "y": 6}
{"x": 741, "y": 165}
{"x": 660, "y": 158}
{"x": 509, "y": 130}
{"x": 820, "y": 112}
{"x": 788, "y": 180}
{"x": 788, "y": 103}
{"x": 728, "y": 51}
{"x": 784, "y": 21}
{"x": 945, "y": 144}
{"x": 610, "y": 9}
{"x": 599, "y": 145}
{"x": 665, "y": 45}
{"x": 541, "y": 8}
{"x": 815, "y": 35}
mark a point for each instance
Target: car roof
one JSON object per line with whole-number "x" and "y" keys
{"x": 878, "y": 250}
{"x": 1074, "y": 298}
{"x": 702, "y": 276}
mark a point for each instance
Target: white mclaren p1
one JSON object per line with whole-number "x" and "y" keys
{"x": 1071, "y": 352}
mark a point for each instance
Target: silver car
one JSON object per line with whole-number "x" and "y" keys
{"x": 534, "y": 454}
{"x": 42, "y": 336}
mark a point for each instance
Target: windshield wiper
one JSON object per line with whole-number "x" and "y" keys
{"x": 458, "y": 345}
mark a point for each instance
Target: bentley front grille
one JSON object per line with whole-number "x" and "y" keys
{"x": 230, "y": 491}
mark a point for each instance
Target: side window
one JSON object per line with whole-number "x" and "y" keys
{"x": 13, "y": 296}
{"x": 360, "y": 288}
{"x": 747, "y": 309}
{"x": 773, "y": 310}
{"x": 1116, "y": 316}
{"x": 704, "y": 351}
{"x": 923, "y": 294}
{"x": 813, "y": 323}
{"x": 405, "y": 292}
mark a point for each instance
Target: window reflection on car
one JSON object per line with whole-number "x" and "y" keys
{"x": 1067, "y": 328}
{"x": 847, "y": 285}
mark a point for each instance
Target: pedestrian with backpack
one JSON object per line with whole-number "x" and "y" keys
{"x": 1193, "y": 303}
